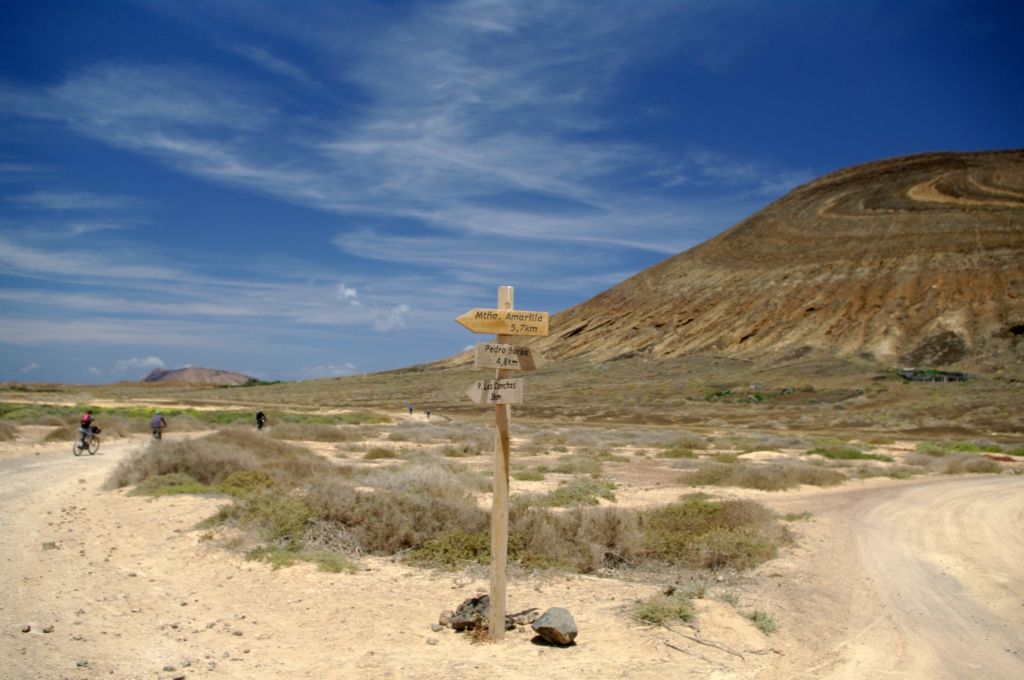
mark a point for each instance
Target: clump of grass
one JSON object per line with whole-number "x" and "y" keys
{"x": 579, "y": 491}
{"x": 964, "y": 447}
{"x": 797, "y": 516}
{"x": 685, "y": 441}
{"x": 331, "y": 562}
{"x": 763, "y": 622}
{"x": 534, "y": 474}
{"x": 849, "y": 454}
{"x": 379, "y": 452}
{"x": 730, "y": 598}
{"x": 677, "y": 452}
{"x": 697, "y": 533}
{"x": 665, "y": 608}
{"x": 1018, "y": 451}
{"x": 770, "y": 477}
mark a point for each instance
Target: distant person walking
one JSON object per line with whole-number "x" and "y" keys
{"x": 157, "y": 424}
{"x": 261, "y": 420}
{"x": 410, "y": 409}
{"x": 428, "y": 414}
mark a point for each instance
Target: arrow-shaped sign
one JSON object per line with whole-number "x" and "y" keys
{"x": 511, "y": 357}
{"x": 500, "y": 391}
{"x": 505, "y": 322}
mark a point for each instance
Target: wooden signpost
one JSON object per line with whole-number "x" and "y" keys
{"x": 503, "y": 391}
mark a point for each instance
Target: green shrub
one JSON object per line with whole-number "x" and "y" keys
{"x": 579, "y": 491}
{"x": 959, "y": 464}
{"x": 930, "y": 449}
{"x": 964, "y": 447}
{"x": 1018, "y": 451}
{"x": 529, "y": 475}
{"x": 677, "y": 453}
{"x": 244, "y": 482}
{"x": 705, "y": 534}
{"x": 167, "y": 485}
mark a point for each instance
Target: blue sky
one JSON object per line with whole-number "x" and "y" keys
{"x": 303, "y": 189}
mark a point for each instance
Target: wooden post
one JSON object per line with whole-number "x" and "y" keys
{"x": 499, "y": 507}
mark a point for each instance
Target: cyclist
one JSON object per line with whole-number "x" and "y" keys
{"x": 261, "y": 420}
{"x": 86, "y": 427}
{"x": 157, "y": 424}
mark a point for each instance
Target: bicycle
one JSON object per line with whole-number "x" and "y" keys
{"x": 92, "y": 445}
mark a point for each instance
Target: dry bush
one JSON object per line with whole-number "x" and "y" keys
{"x": 429, "y": 433}
{"x": 379, "y": 452}
{"x": 388, "y": 521}
{"x": 318, "y": 432}
{"x": 960, "y": 463}
{"x": 586, "y": 540}
{"x": 428, "y": 475}
{"x": 770, "y": 477}
{"x": 211, "y": 459}
{"x": 64, "y": 433}
{"x": 8, "y": 431}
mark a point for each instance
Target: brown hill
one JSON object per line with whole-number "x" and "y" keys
{"x": 194, "y": 374}
{"x": 917, "y": 260}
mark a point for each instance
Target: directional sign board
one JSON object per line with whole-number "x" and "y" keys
{"x": 501, "y": 391}
{"x": 505, "y": 322}
{"x": 512, "y": 357}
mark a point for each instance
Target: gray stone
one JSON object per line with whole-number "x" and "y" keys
{"x": 27, "y": 628}
{"x": 474, "y": 612}
{"x": 432, "y": 641}
{"x": 446, "y": 617}
{"x": 556, "y": 626}
{"x": 82, "y": 663}
{"x": 48, "y": 629}
{"x": 436, "y": 627}
{"x": 169, "y": 669}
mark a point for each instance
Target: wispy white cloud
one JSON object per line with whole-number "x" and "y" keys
{"x": 265, "y": 59}
{"x": 76, "y": 200}
{"x": 328, "y": 371}
{"x": 148, "y": 362}
{"x": 391, "y": 319}
{"x": 94, "y": 371}
{"x": 31, "y": 367}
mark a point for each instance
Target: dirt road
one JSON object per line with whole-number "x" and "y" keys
{"x": 920, "y": 579}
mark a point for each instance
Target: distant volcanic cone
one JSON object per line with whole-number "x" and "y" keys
{"x": 917, "y": 260}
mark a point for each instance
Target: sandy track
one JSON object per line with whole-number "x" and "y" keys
{"x": 890, "y": 580}
{"x": 906, "y": 580}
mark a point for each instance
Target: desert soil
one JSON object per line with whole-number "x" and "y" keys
{"x": 894, "y": 579}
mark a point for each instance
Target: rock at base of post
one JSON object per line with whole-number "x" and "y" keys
{"x": 556, "y": 626}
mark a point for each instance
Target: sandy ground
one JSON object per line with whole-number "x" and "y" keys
{"x": 889, "y": 579}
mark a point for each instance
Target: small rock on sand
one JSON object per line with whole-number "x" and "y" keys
{"x": 556, "y": 626}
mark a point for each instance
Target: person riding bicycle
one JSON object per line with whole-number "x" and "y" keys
{"x": 157, "y": 424}
{"x": 261, "y": 420}
{"x": 87, "y": 426}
